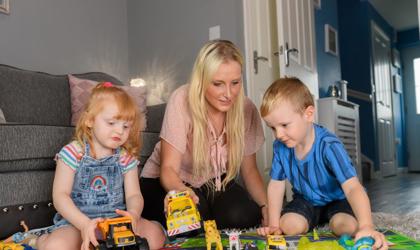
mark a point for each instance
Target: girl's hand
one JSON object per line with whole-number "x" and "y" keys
{"x": 193, "y": 196}
{"x": 134, "y": 218}
{"x": 264, "y": 231}
{"x": 88, "y": 233}
{"x": 380, "y": 241}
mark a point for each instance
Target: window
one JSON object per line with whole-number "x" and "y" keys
{"x": 416, "y": 64}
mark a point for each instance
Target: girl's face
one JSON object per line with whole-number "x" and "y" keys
{"x": 108, "y": 133}
{"x": 225, "y": 86}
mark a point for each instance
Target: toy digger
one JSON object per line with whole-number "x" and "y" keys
{"x": 117, "y": 233}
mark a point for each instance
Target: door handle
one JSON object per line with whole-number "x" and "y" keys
{"x": 286, "y": 54}
{"x": 256, "y": 58}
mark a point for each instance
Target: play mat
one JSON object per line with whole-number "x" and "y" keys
{"x": 252, "y": 241}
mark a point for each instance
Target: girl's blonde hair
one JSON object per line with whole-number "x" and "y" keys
{"x": 103, "y": 93}
{"x": 210, "y": 57}
{"x": 286, "y": 89}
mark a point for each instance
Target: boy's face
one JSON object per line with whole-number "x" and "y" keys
{"x": 290, "y": 127}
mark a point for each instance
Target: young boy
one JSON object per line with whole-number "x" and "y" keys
{"x": 314, "y": 160}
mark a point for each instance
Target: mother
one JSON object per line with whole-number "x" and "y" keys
{"x": 210, "y": 133}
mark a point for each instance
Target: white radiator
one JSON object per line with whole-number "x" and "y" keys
{"x": 342, "y": 118}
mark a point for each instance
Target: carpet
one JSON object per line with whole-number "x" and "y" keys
{"x": 408, "y": 224}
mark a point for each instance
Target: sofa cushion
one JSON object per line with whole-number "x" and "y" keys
{"x": 31, "y": 147}
{"x": 80, "y": 90}
{"x": 38, "y": 98}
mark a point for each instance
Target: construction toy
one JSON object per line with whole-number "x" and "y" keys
{"x": 212, "y": 235}
{"x": 276, "y": 242}
{"x": 117, "y": 233}
{"x": 182, "y": 214}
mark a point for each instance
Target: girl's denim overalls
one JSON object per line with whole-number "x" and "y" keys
{"x": 98, "y": 187}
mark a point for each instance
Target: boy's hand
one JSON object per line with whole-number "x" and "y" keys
{"x": 88, "y": 233}
{"x": 380, "y": 241}
{"x": 264, "y": 231}
{"x": 134, "y": 218}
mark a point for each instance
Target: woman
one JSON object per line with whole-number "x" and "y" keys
{"x": 210, "y": 133}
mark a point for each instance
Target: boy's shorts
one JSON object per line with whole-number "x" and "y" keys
{"x": 316, "y": 215}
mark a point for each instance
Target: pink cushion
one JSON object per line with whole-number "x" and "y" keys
{"x": 80, "y": 90}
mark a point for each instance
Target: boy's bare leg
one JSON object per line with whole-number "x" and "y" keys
{"x": 293, "y": 224}
{"x": 342, "y": 223}
{"x": 64, "y": 238}
{"x": 153, "y": 232}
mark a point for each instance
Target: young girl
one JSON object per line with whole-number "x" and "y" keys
{"x": 96, "y": 175}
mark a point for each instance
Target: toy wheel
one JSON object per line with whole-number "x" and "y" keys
{"x": 101, "y": 246}
{"x": 141, "y": 243}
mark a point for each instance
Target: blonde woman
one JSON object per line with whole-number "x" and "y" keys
{"x": 210, "y": 134}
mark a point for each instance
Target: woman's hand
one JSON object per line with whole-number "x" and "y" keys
{"x": 88, "y": 233}
{"x": 192, "y": 194}
{"x": 264, "y": 231}
{"x": 135, "y": 219}
{"x": 264, "y": 213}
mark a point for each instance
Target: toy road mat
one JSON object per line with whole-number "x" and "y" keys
{"x": 253, "y": 241}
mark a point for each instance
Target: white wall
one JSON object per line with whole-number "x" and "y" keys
{"x": 66, "y": 36}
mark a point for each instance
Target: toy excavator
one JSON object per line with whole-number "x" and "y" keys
{"x": 117, "y": 233}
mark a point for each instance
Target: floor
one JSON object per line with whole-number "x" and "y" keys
{"x": 397, "y": 194}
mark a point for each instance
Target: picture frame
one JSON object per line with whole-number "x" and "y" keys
{"x": 317, "y": 4}
{"x": 396, "y": 61}
{"x": 5, "y": 7}
{"x": 331, "y": 40}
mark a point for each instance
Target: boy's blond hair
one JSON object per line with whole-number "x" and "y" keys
{"x": 128, "y": 110}
{"x": 286, "y": 89}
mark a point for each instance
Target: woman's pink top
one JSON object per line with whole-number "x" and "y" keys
{"x": 177, "y": 131}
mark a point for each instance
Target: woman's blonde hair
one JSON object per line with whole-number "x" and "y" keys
{"x": 287, "y": 89}
{"x": 103, "y": 93}
{"x": 210, "y": 57}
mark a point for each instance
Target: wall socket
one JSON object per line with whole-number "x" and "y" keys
{"x": 214, "y": 32}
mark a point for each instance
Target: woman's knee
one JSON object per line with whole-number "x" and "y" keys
{"x": 342, "y": 223}
{"x": 293, "y": 224}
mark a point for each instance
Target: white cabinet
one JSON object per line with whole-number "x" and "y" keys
{"x": 342, "y": 118}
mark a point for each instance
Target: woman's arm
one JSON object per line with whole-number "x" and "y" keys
{"x": 63, "y": 184}
{"x": 253, "y": 181}
{"x": 170, "y": 165}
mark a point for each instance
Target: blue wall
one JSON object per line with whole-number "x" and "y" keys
{"x": 356, "y": 67}
{"x": 329, "y": 70}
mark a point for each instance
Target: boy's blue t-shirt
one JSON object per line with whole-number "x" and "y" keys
{"x": 318, "y": 177}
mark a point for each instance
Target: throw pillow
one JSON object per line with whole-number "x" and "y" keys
{"x": 2, "y": 118}
{"x": 80, "y": 90}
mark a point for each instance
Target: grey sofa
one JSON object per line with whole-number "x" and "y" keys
{"x": 36, "y": 108}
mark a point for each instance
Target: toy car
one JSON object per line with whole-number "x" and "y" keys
{"x": 117, "y": 233}
{"x": 276, "y": 242}
{"x": 182, "y": 214}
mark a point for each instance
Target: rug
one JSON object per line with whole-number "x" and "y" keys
{"x": 408, "y": 224}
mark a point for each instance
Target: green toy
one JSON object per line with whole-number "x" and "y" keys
{"x": 306, "y": 244}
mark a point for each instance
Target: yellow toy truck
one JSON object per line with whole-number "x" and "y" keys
{"x": 117, "y": 233}
{"x": 276, "y": 242}
{"x": 182, "y": 214}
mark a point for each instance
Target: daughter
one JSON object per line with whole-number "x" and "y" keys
{"x": 96, "y": 175}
